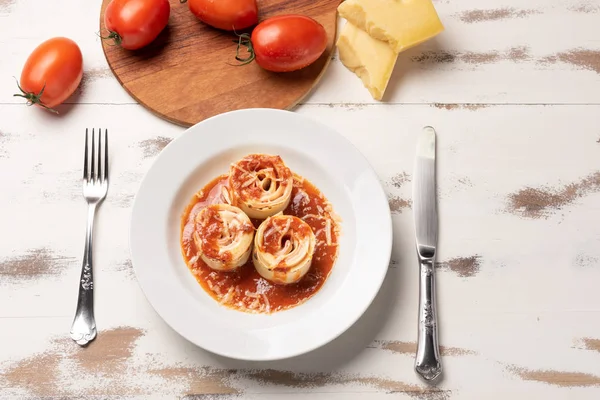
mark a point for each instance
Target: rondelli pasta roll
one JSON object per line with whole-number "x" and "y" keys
{"x": 283, "y": 249}
{"x": 261, "y": 185}
{"x": 223, "y": 236}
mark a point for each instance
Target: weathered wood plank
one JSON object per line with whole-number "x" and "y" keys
{"x": 487, "y": 179}
{"x": 503, "y": 51}
{"x": 519, "y": 261}
{"x": 519, "y": 191}
{"x": 136, "y": 362}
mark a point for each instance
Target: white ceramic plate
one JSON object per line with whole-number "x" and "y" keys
{"x": 310, "y": 149}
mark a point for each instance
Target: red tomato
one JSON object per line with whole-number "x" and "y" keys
{"x": 225, "y": 14}
{"x": 287, "y": 43}
{"x": 133, "y": 24}
{"x": 51, "y": 73}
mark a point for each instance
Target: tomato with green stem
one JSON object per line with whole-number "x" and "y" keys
{"x": 133, "y": 24}
{"x": 229, "y": 15}
{"x": 284, "y": 43}
{"x": 51, "y": 73}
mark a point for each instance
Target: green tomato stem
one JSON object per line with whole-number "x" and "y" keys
{"x": 33, "y": 98}
{"x": 244, "y": 40}
{"x": 114, "y": 36}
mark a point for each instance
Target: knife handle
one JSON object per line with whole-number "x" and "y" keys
{"x": 427, "y": 363}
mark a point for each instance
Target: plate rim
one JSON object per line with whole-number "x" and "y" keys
{"x": 386, "y": 247}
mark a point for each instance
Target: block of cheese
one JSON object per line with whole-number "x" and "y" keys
{"x": 370, "y": 59}
{"x": 401, "y": 23}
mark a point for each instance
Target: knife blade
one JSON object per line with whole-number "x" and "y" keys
{"x": 427, "y": 360}
{"x": 424, "y": 194}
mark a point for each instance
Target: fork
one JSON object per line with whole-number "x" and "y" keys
{"x": 95, "y": 187}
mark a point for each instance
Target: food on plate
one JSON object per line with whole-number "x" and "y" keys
{"x": 377, "y": 30}
{"x": 284, "y": 43}
{"x": 283, "y": 249}
{"x": 223, "y": 236}
{"x": 51, "y": 73}
{"x": 308, "y": 246}
{"x": 372, "y": 60}
{"x": 403, "y": 24}
{"x": 228, "y": 15}
{"x": 261, "y": 185}
{"x": 133, "y": 24}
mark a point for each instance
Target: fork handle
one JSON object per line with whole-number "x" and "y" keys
{"x": 83, "y": 329}
{"x": 427, "y": 363}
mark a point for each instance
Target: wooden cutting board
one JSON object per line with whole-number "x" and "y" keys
{"x": 184, "y": 76}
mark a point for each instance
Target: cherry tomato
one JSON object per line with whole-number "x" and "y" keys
{"x": 51, "y": 73}
{"x": 225, "y": 14}
{"x": 133, "y": 24}
{"x": 285, "y": 43}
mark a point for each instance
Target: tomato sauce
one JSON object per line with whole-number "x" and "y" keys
{"x": 275, "y": 241}
{"x": 244, "y": 289}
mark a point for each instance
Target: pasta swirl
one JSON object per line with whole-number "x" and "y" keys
{"x": 283, "y": 249}
{"x": 261, "y": 185}
{"x": 223, "y": 236}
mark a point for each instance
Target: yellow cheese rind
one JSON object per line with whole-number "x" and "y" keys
{"x": 401, "y": 23}
{"x": 370, "y": 59}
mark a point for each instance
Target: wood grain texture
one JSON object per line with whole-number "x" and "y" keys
{"x": 519, "y": 251}
{"x": 501, "y": 334}
{"x": 184, "y": 76}
{"x": 520, "y": 58}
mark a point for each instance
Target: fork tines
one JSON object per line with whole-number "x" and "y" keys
{"x": 98, "y": 170}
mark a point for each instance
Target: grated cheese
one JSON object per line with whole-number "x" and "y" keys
{"x": 249, "y": 181}
{"x": 217, "y": 290}
{"x": 254, "y": 305}
{"x": 267, "y": 304}
{"x": 194, "y": 259}
{"x": 236, "y": 166}
{"x": 252, "y": 294}
{"x": 227, "y": 296}
{"x": 269, "y": 232}
{"x": 287, "y": 227}
{"x": 226, "y": 195}
{"x": 313, "y": 216}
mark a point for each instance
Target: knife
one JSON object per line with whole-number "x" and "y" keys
{"x": 427, "y": 362}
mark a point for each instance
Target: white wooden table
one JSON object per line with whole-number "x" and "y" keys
{"x": 513, "y": 89}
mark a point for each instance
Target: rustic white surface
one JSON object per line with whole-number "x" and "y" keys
{"x": 513, "y": 89}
